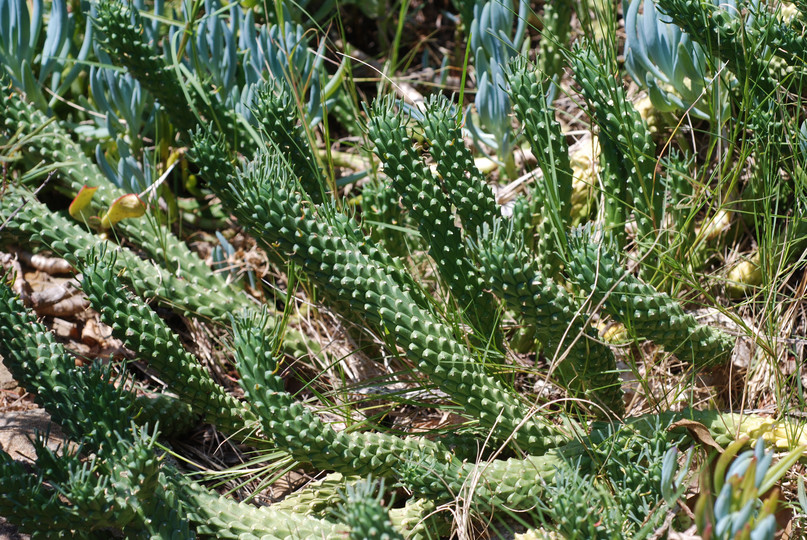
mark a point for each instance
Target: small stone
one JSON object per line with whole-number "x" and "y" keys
{"x": 7, "y": 382}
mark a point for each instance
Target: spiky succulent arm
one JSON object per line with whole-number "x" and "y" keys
{"x": 363, "y": 510}
{"x": 431, "y": 209}
{"x": 585, "y": 366}
{"x": 296, "y": 429}
{"x": 69, "y": 497}
{"x": 119, "y": 28}
{"x": 416, "y": 519}
{"x": 211, "y": 156}
{"x": 557, "y": 21}
{"x": 25, "y": 503}
{"x": 120, "y": 32}
{"x": 215, "y": 162}
{"x": 518, "y": 483}
{"x": 91, "y": 410}
{"x": 327, "y": 248}
{"x": 139, "y": 495}
{"x": 226, "y": 519}
{"x": 553, "y": 193}
{"x": 646, "y": 312}
{"x": 626, "y": 143}
{"x": 380, "y": 207}
{"x": 521, "y": 483}
{"x": 615, "y": 194}
{"x": 134, "y": 323}
{"x": 419, "y": 520}
{"x": 34, "y": 222}
{"x": 43, "y": 367}
{"x": 316, "y": 498}
{"x": 546, "y": 139}
{"x": 277, "y": 115}
{"x": 174, "y": 416}
{"x": 788, "y": 39}
{"x": 467, "y": 188}
{"x": 169, "y": 412}
{"x": 54, "y": 146}
{"x": 523, "y": 221}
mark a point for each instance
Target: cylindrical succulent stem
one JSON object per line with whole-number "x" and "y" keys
{"x": 384, "y": 216}
{"x": 585, "y": 366}
{"x": 363, "y": 510}
{"x": 553, "y": 192}
{"x": 466, "y": 186}
{"x": 430, "y": 208}
{"x": 215, "y": 163}
{"x": 278, "y": 117}
{"x": 174, "y": 416}
{"x": 299, "y": 431}
{"x": 42, "y": 366}
{"x": 226, "y": 519}
{"x": 53, "y": 145}
{"x": 141, "y": 330}
{"x": 645, "y": 312}
{"x": 34, "y": 222}
{"x": 557, "y": 25}
{"x": 627, "y": 149}
{"x": 119, "y": 29}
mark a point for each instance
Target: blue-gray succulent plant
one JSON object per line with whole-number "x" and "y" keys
{"x": 228, "y": 52}
{"x": 494, "y": 44}
{"x": 44, "y": 73}
{"x": 740, "y": 482}
{"x": 665, "y": 61}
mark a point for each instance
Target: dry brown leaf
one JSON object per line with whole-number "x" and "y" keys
{"x": 68, "y": 306}
{"x": 689, "y": 534}
{"x": 93, "y": 334}
{"x": 699, "y": 432}
{"x": 50, "y": 265}
{"x": 65, "y": 329}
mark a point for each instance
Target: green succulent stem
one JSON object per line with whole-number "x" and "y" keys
{"x": 119, "y": 29}
{"x": 214, "y": 515}
{"x": 136, "y": 324}
{"x": 34, "y": 222}
{"x": 384, "y": 216}
{"x": 553, "y": 192}
{"x": 49, "y": 142}
{"x": 136, "y": 491}
{"x": 627, "y": 149}
{"x": 278, "y": 117}
{"x": 646, "y": 313}
{"x": 296, "y": 429}
{"x": 584, "y": 365}
{"x": 118, "y": 489}
{"x": 430, "y": 208}
{"x": 363, "y": 510}
{"x": 174, "y": 416}
{"x": 557, "y": 26}
{"x": 467, "y": 188}
{"x": 43, "y": 367}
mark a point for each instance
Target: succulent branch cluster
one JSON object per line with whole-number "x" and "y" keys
{"x": 586, "y": 467}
